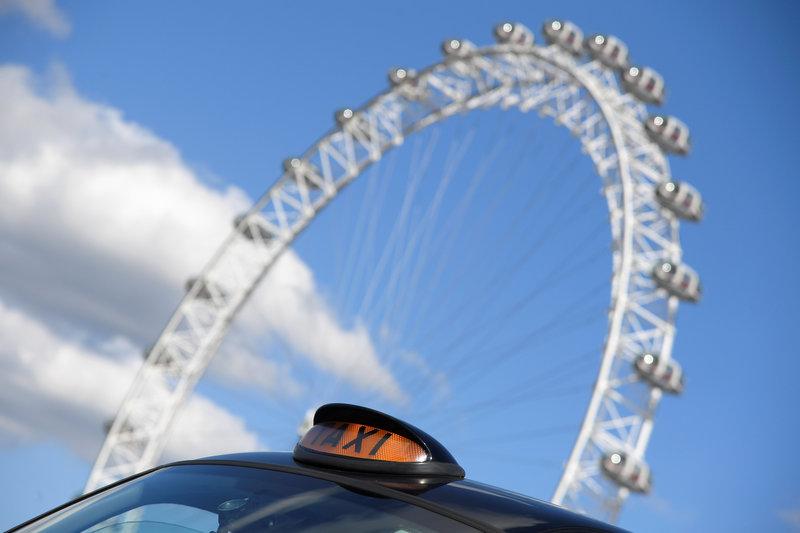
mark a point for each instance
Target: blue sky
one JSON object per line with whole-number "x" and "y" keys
{"x": 234, "y": 90}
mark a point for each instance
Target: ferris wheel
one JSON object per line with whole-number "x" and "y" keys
{"x": 587, "y": 85}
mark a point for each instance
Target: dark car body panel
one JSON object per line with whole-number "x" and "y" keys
{"x": 480, "y": 506}
{"x": 505, "y": 510}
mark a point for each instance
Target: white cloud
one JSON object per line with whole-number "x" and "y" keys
{"x": 97, "y": 210}
{"x": 203, "y": 428}
{"x": 239, "y": 366}
{"x": 43, "y": 13}
{"x": 52, "y": 387}
{"x": 288, "y": 301}
{"x": 102, "y": 222}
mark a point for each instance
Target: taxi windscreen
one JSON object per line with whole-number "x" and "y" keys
{"x": 221, "y": 498}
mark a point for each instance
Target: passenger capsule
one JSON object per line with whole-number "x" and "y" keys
{"x": 665, "y": 375}
{"x": 407, "y": 82}
{"x": 682, "y": 199}
{"x": 401, "y": 75}
{"x": 669, "y": 133}
{"x": 609, "y": 50}
{"x": 252, "y": 229}
{"x": 343, "y": 116}
{"x": 513, "y": 33}
{"x": 627, "y": 472}
{"x": 457, "y": 47}
{"x": 347, "y": 119}
{"x": 292, "y": 164}
{"x": 645, "y": 84}
{"x": 206, "y": 289}
{"x": 565, "y": 34}
{"x": 301, "y": 169}
{"x": 678, "y": 280}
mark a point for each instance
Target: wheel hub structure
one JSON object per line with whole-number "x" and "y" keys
{"x": 580, "y": 93}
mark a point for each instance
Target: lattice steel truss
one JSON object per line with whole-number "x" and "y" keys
{"x": 579, "y": 94}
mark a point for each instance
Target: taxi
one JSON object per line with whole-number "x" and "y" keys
{"x": 356, "y": 469}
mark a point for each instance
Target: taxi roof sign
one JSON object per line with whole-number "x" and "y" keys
{"x": 350, "y": 437}
{"x": 362, "y": 441}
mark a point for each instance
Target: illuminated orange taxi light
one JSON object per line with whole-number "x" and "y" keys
{"x": 362, "y": 442}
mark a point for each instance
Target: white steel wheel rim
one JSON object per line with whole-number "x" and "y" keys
{"x": 581, "y": 95}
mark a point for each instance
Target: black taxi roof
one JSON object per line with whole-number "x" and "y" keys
{"x": 476, "y": 505}
{"x": 485, "y": 504}
{"x": 366, "y": 452}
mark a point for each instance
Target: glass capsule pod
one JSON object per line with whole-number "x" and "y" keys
{"x": 626, "y": 471}
{"x": 681, "y": 199}
{"x": 678, "y": 280}
{"x": 669, "y": 133}
{"x": 564, "y": 34}
{"x": 347, "y": 118}
{"x": 251, "y": 229}
{"x": 609, "y": 50}
{"x": 301, "y": 169}
{"x": 644, "y": 83}
{"x": 344, "y": 116}
{"x": 513, "y": 33}
{"x": 665, "y": 375}
{"x": 457, "y": 47}
{"x": 400, "y": 75}
{"x": 406, "y": 79}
